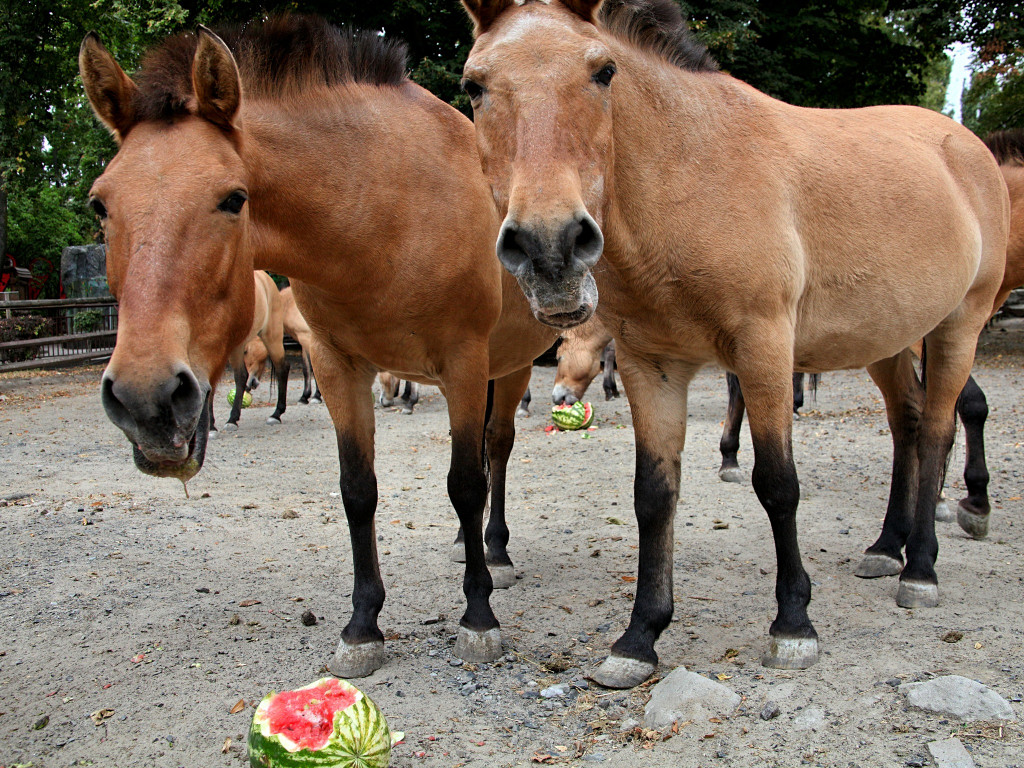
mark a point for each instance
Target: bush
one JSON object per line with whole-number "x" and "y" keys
{"x": 88, "y": 320}
{"x": 20, "y": 329}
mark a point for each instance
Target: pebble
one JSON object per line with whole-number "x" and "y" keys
{"x": 685, "y": 695}
{"x": 958, "y": 696}
{"x": 950, "y": 753}
{"x": 770, "y": 711}
{"x": 455, "y": 662}
{"x": 555, "y": 691}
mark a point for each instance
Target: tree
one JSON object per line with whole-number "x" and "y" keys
{"x": 994, "y": 98}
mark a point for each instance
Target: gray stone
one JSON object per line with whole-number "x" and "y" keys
{"x": 960, "y": 697}
{"x": 83, "y": 271}
{"x": 555, "y": 691}
{"x": 770, "y": 711}
{"x": 686, "y": 696}
{"x": 950, "y": 753}
{"x": 811, "y": 719}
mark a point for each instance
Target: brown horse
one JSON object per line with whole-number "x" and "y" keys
{"x": 268, "y": 330}
{"x": 298, "y": 148}
{"x": 606, "y": 130}
{"x": 581, "y": 355}
{"x": 295, "y": 325}
{"x": 391, "y": 390}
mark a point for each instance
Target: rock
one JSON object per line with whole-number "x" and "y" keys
{"x": 770, "y": 711}
{"x": 555, "y": 691}
{"x": 950, "y": 753}
{"x": 686, "y": 696}
{"x": 628, "y": 724}
{"x": 811, "y": 719}
{"x": 308, "y": 618}
{"x": 960, "y": 697}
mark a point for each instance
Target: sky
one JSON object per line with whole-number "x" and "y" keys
{"x": 961, "y": 54}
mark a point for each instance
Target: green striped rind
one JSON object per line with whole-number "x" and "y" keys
{"x": 361, "y": 739}
{"x": 573, "y": 417}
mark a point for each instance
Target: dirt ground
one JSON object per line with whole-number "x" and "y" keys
{"x": 134, "y": 619}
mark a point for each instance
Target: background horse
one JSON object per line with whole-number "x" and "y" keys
{"x": 625, "y": 161}
{"x": 391, "y": 386}
{"x": 295, "y": 325}
{"x": 268, "y": 328}
{"x": 378, "y": 213}
{"x": 581, "y": 355}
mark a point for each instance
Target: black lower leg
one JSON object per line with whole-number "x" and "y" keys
{"x": 730, "y": 443}
{"x": 241, "y": 387}
{"x": 499, "y": 447}
{"x": 467, "y": 489}
{"x": 798, "y": 392}
{"x": 973, "y": 409}
{"x": 611, "y": 390}
{"x": 306, "y": 388}
{"x": 281, "y": 368}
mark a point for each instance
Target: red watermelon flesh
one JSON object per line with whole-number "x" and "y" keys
{"x": 306, "y": 716}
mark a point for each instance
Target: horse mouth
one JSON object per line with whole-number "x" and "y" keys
{"x": 565, "y": 320}
{"x": 181, "y": 469}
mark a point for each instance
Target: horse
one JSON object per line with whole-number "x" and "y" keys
{"x": 391, "y": 390}
{"x": 292, "y": 146}
{"x": 295, "y": 325}
{"x": 581, "y": 355}
{"x": 628, "y": 166}
{"x": 268, "y": 330}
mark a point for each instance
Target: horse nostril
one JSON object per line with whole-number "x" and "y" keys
{"x": 116, "y": 410}
{"x": 516, "y": 247}
{"x": 588, "y": 244}
{"x": 186, "y": 398}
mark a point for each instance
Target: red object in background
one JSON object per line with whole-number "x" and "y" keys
{"x": 33, "y": 283}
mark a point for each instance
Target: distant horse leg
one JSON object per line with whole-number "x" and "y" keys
{"x": 798, "y": 393}
{"x": 973, "y": 512}
{"x": 306, "y": 388}
{"x": 501, "y": 433}
{"x": 794, "y": 642}
{"x": 237, "y": 361}
{"x": 317, "y": 397}
{"x": 410, "y": 397}
{"x": 657, "y": 397}
{"x": 904, "y": 398}
{"x": 523, "y": 411}
{"x": 949, "y": 354}
{"x": 479, "y": 638}
{"x": 281, "y": 368}
{"x": 611, "y": 391}
{"x": 347, "y": 382}
{"x": 730, "y": 444}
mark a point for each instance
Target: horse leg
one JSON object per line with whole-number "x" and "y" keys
{"x": 729, "y": 445}
{"x": 656, "y": 390}
{"x": 523, "y": 411}
{"x": 611, "y": 391}
{"x": 317, "y": 397}
{"x": 410, "y": 397}
{"x": 904, "y": 397}
{"x": 347, "y": 382}
{"x": 501, "y": 434}
{"x": 479, "y": 637}
{"x": 798, "y": 393}
{"x": 794, "y": 642}
{"x": 237, "y": 362}
{"x": 389, "y": 386}
{"x": 281, "y": 367}
{"x": 973, "y": 512}
{"x": 949, "y": 355}
{"x": 306, "y": 388}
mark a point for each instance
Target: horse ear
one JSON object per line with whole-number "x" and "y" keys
{"x": 484, "y": 12}
{"x": 216, "y": 80}
{"x": 109, "y": 89}
{"x": 585, "y": 9}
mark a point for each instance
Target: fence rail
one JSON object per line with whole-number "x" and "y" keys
{"x": 53, "y": 332}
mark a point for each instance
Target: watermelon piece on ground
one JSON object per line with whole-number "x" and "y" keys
{"x": 579, "y": 415}
{"x": 327, "y": 724}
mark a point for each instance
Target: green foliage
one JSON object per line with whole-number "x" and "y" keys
{"x": 994, "y": 98}
{"x": 88, "y": 320}
{"x": 23, "y": 328}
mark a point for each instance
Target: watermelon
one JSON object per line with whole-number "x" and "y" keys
{"x": 579, "y": 415}
{"x": 246, "y": 398}
{"x": 328, "y": 724}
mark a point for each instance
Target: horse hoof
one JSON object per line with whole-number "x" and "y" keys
{"x": 796, "y": 416}
{"x": 407, "y": 411}
{"x": 316, "y": 400}
{"x": 502, "y": 576}
{"x": 458, "y": 554}
{"x": 791, "y": 653}
{"x": 732, "y": 475}
{"x": 874, "y": 565}
{"x": 230, "y": 426}
{"x": 303, "y": 401}
{"x": 522, "y": 413}
{"x": 943, "y": 514}
{"x": 212, "y": 434}
{"x": 917, "y": 594}
{"x": 273, "y": 420}
{"x": 621, "y": 672}
{"x": 357, "y": 660}
{"x": 974, "y": 524}
{"x": 478, "y": 647}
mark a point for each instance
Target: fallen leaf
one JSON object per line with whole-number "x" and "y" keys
{"x": 137, "y": 659}
{"x": 247, "y": 603}
{"x": 227, "y": 746}
{"x": 723, "y": 676}
{"x": 628, "y": 579}
{"x": 100, "y": 715}
{"x": 614, "y": 521}
{"x": 539, "y": 758}
{"x": 239, "y": 706}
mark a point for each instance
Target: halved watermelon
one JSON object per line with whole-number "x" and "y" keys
{"x": 579, "y": 415}
{"x": 328, "y": 724}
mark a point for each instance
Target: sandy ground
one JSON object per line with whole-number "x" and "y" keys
{"x": 123, "y": 602}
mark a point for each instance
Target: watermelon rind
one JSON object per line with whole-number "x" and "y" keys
{"x": 246, "y": 398}
{"x": 361, "y": 737}
{"x": 579, "y": 415}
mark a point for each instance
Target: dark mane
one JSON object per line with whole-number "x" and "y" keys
{"x": 279, "y": 57}
{"x": 658, "y": 26}
{"x": 1007, "y": 146}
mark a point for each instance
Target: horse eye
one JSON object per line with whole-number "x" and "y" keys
{"x": 98, "y": 207}
{"x": 605, "y": 74}
{"x": 233, "y": 203}
{"x": 473, "y": 90}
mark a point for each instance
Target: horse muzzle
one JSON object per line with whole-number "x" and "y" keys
{"x": 167, "y": 424}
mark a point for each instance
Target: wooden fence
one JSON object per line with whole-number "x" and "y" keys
{"x": 62, "y": 331}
